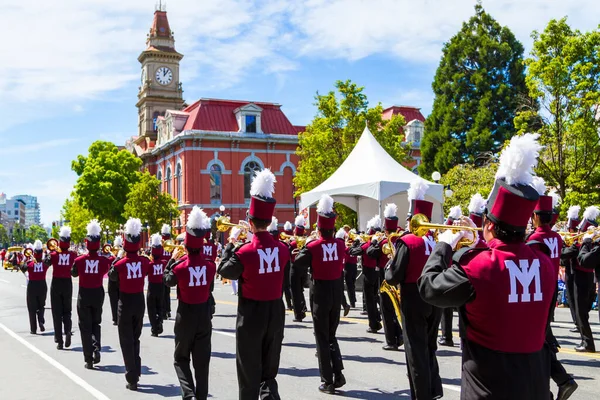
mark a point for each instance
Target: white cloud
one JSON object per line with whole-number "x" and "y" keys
{"x": 35, "y": 146}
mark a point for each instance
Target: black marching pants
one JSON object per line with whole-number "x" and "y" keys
{"x": 166, "y": 301}
{"x": 131, "y": 320}
{"x": 287, "y": 286}
{"x": 154, "y": 300}
{"x": 446, "y": 323}
{"x": 36, "y": 301}
{"x": 570, "y": 293}
{"x": 61, "y": 296}
{"x": 326, "y": 318}
{"x": 420, "y": 322}
{"x": 193, "y": 329}
{"x": 350, "y": 278}
{"x": 371, "y": 295}
{"x": 89, "y": 311}
{"x": 297, "y": 285}
{"x": 584, "y": 297}
{"x": 259, "y": 334}
{"x": 113, "y": 295}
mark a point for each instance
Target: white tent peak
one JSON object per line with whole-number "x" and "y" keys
{"x": 368, "y": 177}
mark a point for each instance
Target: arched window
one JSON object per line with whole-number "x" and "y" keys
{"x": 249, "y": 171}
{"x": 168, "y": 179}
{"x": 159, "y": 177}
{"x": 179, "y": 183}
{"x": 215, "y": 184}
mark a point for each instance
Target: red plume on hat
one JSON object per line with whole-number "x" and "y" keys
{"x": 92, "y": 240}
{"x": 197, "y": 225}
{"x": 325, "y": 215}
{"x": 513, "y": 199}
{"x": 416, "y": 198}
{"x": 262, "y": 203}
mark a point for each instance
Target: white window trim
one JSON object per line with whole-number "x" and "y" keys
{"x": 251, "y": 157}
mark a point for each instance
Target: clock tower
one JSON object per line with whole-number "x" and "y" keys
{"x": 160, "y": 88}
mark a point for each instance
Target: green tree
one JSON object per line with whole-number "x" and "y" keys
{"x": 334, "y": 131}
{"x": 477, "y": 88}
{"x": 106, "y": 176}
{"x": 146, "y": 202}
{"x": 77, "y": 217}
{"x": 465, "y": 180}
{"x": 563, "y": 77}
{"x": 18, "y": 234}
{"x": 36, "y": 232}
{"x": 4, "y": 239}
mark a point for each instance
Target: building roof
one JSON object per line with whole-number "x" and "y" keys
{"x": 218, "y": 115}
{"x": 409, "y": 113}
{"x": 160, "y": 25}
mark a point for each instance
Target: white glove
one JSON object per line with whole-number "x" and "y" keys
{"x": 249, "y": 235}
{"x": 588, "y": 235}
{"x": 120, "y": 253}
{"x": 451, "y": 238}
{"x": 235, "y": 233}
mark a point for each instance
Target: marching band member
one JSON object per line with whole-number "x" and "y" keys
{"x": 130, "y": 271}
{"x": 504, "y": 292}
{"x": 391, "y": 326}
{"x": 113, "y": 286}
{"x": 155, "y": 298}
{"x": 234, "y": 234}
{"x": 299, "y": 231}
{"x": 165, "y": 233}
{"x": 287, "y": 289}
{"x": 420, "y": 320}
{"x": 371, "y": 278}
{"x": 193, "y": 326}
{"x": 585, "y": 288}
{"x": 542, "y": 222}
{"x": 90, "y": 268}
{"x": 341, "y": 234}
{"x": 323, "y": 257}
{"x": 568, "y": 260}
{"x": 61, "y": 288}
{"x": 287, "y": 228}
{"x": 350, "y": 272}
{"x": 446, "y": 339}
{"x": 36, "y": 288}
{"x": 259, "y": 266}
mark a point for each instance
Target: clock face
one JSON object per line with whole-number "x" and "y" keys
{"x": 164, "y": 76}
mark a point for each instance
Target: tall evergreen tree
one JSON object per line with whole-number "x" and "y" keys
{"x": 478, "y": 85}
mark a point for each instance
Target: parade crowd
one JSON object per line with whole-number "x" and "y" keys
{"x": 498, "y": 267}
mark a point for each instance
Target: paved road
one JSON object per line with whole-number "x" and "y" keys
{"x": 31, "y": 366}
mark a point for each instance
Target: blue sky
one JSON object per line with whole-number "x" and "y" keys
{"x": 70, "y": 75}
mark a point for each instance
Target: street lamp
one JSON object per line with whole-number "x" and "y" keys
{"x": 436, "y": 176}
{"x": 222, "y": 209}
{"x": 448, "y": 191}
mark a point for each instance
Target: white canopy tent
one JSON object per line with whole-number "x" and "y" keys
{"x": 370, "y": 178}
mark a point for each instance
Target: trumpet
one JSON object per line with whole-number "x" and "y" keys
{"x": 223, "y": 224}
{"x": 107, "y": 248}
{"x": 362, "y": 237}
{"x": 28, "y": 253}
{"x": 301, "y": 241}
{"x": 170, "y": 246}
{"x": 285, "y": 236}
{"x": 419, "y": 225}
{"x": 52, "y": 245}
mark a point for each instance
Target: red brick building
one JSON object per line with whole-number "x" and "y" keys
{"x": 206, "y": 153}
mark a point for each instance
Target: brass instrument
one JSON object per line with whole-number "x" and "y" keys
{"x": 107, "y": 248}
{"x": 52, "y": 245}
{"x": 170, "y": 246}
{"x": 394, "y": 294}
{"x": 223, "y": 224}
{"x": 419, "y": 225}
{"x": 362, "y": 237}
{"x": 28, "y": 253}
{"x": 389, "y": 249}
{"x": 287, "y": 237}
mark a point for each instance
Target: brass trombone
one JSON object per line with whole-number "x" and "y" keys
{"x": 52, "y": 245}
{"x": 419, "y": 225}
{"x": 362, "y": 237}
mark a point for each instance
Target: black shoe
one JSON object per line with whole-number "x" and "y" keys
{"x": 346, "y": 310}
{"x": 574, "y": 330}
{"x": 389, "y": 347}
{"x": 115, "y": 323}
{"x": 160, "y": 330}
{"x": 364, "y": 313}
{"x": 445, "y": 342}
{"x": 352, "y": 305}
{"x": 88, "y": 365}
{"x": 401, "y": 342}
{"x": 42, "y": 328}
{"x": 566, "y": 389}
{"x": 376, "y": 329}
{"x": 59, "y": 346}
{"x": 582, "y": 349}
{"x": 32, "y": 332}
{"x": 169, "y": 314}
{"x": 327, "y": 388}
{"x": 68, "y": 340}
{"x": 339, "y": 381}
{"x": 96, "y": 357}
{"x": 154, "y": 334}
{"x": 132, "y": 386}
